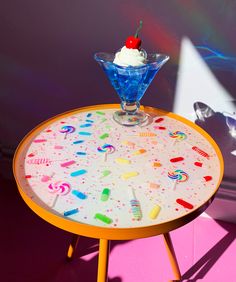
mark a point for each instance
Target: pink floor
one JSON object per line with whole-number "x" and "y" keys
{"x": 34, "y": 251}
{"x": 205, "y": 249}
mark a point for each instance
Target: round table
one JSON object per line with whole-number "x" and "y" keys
{"x": 86, "y": 174}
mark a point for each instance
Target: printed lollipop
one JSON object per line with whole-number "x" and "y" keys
{"x": 67, "y": 129}
{"x": 59, "y": 188}
{"x": 177, "y": 136}
{"x": 107, "y": 149}
{"x": 177, "y": 176}
{"x": 181, "y": 136}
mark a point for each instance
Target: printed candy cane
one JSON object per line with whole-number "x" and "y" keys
{"x": 135, "y": 205}
{"x": 39, "y": 161}
{"x": 144, "y": 134}
{"x": 200, "y": 152}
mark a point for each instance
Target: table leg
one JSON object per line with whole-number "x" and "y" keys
{"x": 172, "y": 256}
{"x": 72, "y": 247}
{"x": 103, "y": 258}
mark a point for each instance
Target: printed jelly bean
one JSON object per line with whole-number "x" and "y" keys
{"x": 100, "y": 113}
{"x": 154, "y": 185}
{"x": 128, "y": 175}
{"x": 106, "y": 173}
{"x": 122, "y": 161}
{"x": 81, "y": 153}
{"x": 177, "y": 159}
{"x": 69, "y": 163}
{"x": 159, "y": 120}
{"x": 85, "y": 133}
{"x": 154, "y": 212}
{"x": 105, "y": 194}
{"x": 160, "y": 127}
{"x": 198, "y": 164}
{"x": 71, "y": 212}
{"x": 78, "y": 141}
{"x": 103, "y": 136}
{"x": 58, "y": 147}
{"x": 85, "y": 125}
{"x": 78, "y": 172}
{"x": 79, "y": 194}
{"x": 139, "y": 152}
{"x": 208, "y": 178}
{"x": 103, "y": 218}
{"x": 156, "y": 164}
{"x": 185, "y": 204}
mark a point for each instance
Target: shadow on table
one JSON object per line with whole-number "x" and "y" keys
{"x": 34, "y": 250}
{"x": 222, "y": 127}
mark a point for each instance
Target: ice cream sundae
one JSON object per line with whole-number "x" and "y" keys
{"x": 130, "y": 71}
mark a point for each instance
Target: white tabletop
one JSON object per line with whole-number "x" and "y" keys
{"x": 71, "y": 160}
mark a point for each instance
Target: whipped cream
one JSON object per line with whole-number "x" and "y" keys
{"x": 130, "y": 57}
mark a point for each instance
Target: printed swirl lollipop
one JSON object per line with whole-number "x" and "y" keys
{"x": 180, "y": 136}
{"x": 67, "y": 129}
{"x": 107, "y": 149}
{"x": 177, "y": 176}
{"x": 177, "y": 136}
{"x": 59, "y": 188}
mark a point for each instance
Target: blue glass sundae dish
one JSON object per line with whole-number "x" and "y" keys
{"x": 130, "y": 71}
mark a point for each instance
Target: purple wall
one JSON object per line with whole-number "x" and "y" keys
{"x": 47, "y": 47}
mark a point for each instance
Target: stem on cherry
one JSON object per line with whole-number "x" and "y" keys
{"x": 138, "y": 29}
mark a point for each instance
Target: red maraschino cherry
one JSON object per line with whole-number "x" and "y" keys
{"x": 134, "y": 42}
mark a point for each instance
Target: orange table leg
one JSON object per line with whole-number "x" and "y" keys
{"x": 172, "y": 256}
{"x": 72, "y": 247}
{"x": 104, "y": 247}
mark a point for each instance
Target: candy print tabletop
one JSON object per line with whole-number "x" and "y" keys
{"x": 84, "y": 173}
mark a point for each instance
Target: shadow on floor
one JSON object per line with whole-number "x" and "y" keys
{"x": 32, "y": 250}
{"x": 198, "y": 271}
